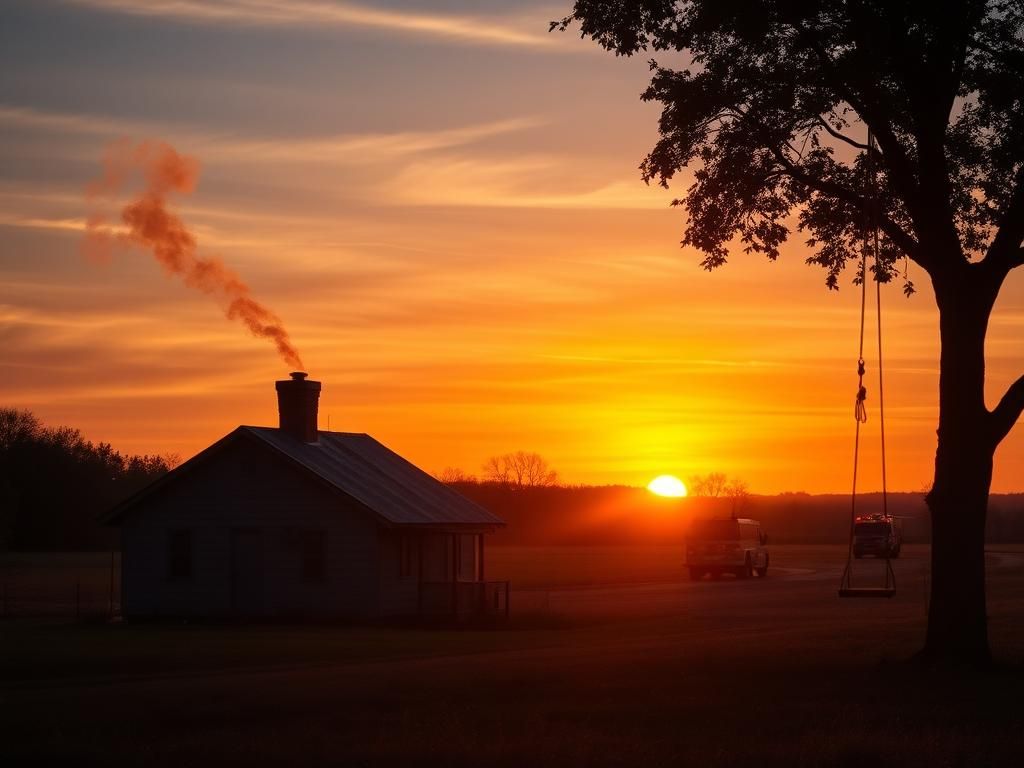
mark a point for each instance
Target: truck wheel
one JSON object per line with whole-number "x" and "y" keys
{"x": 746, "y": 571}
{"x": 763, "y": 570}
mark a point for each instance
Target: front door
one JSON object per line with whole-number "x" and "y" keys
{"x": 247, "y": 572}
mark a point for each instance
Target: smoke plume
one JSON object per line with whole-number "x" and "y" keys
{"x": 150, "y": 224}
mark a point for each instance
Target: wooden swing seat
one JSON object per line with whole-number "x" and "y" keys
{"x": 867, "y": 591}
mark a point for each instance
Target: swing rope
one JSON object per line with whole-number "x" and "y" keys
{"x": 860, "y": 412}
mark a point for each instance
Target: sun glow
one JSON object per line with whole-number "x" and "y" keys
{"x": 667, "y": 485}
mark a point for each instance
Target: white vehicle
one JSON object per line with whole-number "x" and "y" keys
{"x": 726, "y": 545}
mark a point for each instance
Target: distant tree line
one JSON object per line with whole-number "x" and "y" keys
{"x": 615, "y": 515}
{"x": 55, "y": 484}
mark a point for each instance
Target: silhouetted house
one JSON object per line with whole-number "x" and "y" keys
{"x": 297, "y": 522}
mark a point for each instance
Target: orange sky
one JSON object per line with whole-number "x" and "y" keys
{"x": 451, "y": 224}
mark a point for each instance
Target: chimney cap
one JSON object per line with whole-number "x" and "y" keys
{"x": 298, "y": 375}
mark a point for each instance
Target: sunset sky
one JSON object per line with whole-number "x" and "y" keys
{"x": 442, "y": 202}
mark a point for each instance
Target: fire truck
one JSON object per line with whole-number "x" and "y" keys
{"x": 879, "y": 535}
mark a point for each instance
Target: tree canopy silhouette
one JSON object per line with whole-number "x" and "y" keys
{"x": 54, "y": 484}
{"x": 768, "y": 102}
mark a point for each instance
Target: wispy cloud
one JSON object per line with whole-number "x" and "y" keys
{"x": 352, "y": 148}
{"x": 526, "y": 182}
{"x": 64, "y": 122}
{"x": 370, "y": 147}
{"x": 37, "y": 222}
{"x": 460, "y": 29}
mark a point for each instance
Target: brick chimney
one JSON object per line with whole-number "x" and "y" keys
{"x": 297, "y": 404}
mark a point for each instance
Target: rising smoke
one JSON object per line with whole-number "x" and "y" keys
{"x": 151, "y": 225}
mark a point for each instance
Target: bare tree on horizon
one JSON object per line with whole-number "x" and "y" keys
{"x": 711, "y": 485}
{"x": 520, "y": 469}
{"x": 450, "y": 475}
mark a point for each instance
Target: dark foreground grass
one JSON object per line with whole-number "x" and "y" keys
{"x": 619, "y": 697}
{"x": 777, "y": 672}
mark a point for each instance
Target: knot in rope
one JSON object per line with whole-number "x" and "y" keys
{"x": 860, "y": 410}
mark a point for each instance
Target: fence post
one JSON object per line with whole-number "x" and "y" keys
{"x": 78, "y": 600}
{"x": 3, "y": 605}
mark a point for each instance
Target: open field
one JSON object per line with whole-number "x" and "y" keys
{"x": 637, "y": 671}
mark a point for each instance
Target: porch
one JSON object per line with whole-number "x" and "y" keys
{"x": 451, "y": 580}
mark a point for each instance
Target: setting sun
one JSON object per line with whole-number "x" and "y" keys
{"x": 667, "y": 485}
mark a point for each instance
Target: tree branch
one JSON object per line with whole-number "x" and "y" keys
{"x": 892, "y": 230}
{"x": 1005, "y": 415}
{"x": 900, "y": 167}
{"x": 842, "y": 136}
{"x": 1004, "y": 249}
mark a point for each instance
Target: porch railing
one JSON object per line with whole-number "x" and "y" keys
{"x": 464, "y": 598}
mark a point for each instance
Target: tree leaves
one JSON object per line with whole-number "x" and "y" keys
{"x": 770, "y": 110}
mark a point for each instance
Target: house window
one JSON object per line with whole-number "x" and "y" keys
{"x": 405, "y": 545}
{"x": 466, "y": 557}
{"x": 314, "y": 556}
{"x": 179, "y": 555}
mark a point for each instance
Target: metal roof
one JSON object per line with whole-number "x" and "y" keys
{"x": 377, "y": 477}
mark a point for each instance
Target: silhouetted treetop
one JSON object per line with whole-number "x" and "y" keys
{"x": 521, "y": 469}
{"x": 54, "y": 483}
{"x": 763, "y": 103}
{"x": 451, "y": 475}
{"x": 712, "y": 484}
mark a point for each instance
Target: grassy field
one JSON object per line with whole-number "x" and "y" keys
{"x": 553, "y": 567}
{"x": 526, "y": 567}
{"x": 547, "y": 567}
{"x": 643, "y": 670}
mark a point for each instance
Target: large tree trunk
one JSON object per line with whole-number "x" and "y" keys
{"x": 958, "y": 501}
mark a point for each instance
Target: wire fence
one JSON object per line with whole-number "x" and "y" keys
{"x": 464, "y": 598}
{"x": 79, "y": 586}
{"x": 72, "y": 601}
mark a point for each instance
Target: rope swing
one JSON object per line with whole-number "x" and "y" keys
{"x": 860, "y": 411}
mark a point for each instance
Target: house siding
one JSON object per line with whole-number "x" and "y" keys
{"x": 245, "y": 488}
{"x": 399, "y": 595}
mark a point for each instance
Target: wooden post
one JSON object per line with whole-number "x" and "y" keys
{"x": 455, "y": 574}
{"x": 110, "y": 598}
{"x": 78, "y": 600}
{"x": 480, "y": 571}
{"x": 122, "y": 598}
{"x": 419, "y": 574}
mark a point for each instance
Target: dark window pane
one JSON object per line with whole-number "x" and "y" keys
{"x": 873, "y": 529}
{"x": 714, "y": 530}
{"x": 467, "y": 557}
